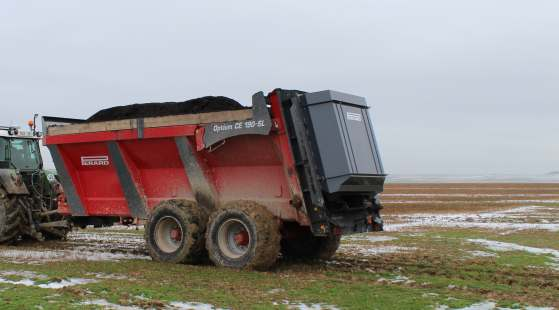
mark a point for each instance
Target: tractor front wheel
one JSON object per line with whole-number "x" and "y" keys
{"x": 243, "y": 234}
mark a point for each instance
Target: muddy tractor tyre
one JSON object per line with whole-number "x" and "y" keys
{"x": 309, "y": 247}
{"x": 243, "y": 234}
{"x": 174, "y": 232}
{"x": 9, "y": 218}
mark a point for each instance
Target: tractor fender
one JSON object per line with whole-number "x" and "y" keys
{"x": 12, "y": 182}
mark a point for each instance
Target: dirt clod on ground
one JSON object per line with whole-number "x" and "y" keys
{"x": 141, "y": 110}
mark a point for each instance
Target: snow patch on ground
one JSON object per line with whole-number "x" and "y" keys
{"x": 276, "y": 291}
{"x": 23, "y": 274}
{"x": 43, "y": 256}
{"x": 482, "y": 254}
{"x": 108, "y": 276}
{"x": 489, "y": 305}
{"x": 399, "y": 279}
{"x": 545, "y": 218}
{"x": 509, "y": 247}
{"x": 65, "y": 283}
{"x": 469, "y": 195}
{"x": 368, "y": 238}
{"x": 122, "y": 227}
{"x": 107, "y": 305}
{"x": 180, "y": 305}
{"x": 105, "y": 236}
{"x": 103, "y": 241}
{"x": 354, "y": 249}
{"x": 30, "y": 278}
{"x": 467, "y": 201}
{"x": 303, "y": 306}
{"x": 175, "y": 305}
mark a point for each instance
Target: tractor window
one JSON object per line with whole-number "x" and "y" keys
{"x": 24, "y": 154}
{"x": 3, "y": 149}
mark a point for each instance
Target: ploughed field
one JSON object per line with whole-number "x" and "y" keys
{"x": 446, "y": 246}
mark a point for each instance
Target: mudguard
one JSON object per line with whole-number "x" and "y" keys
{"x": 12, "y": 182}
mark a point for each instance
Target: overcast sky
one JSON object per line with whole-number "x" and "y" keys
{"x": 455, "y": 87}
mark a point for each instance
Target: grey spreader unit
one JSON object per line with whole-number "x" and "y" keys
{"x": 345, "y": 142}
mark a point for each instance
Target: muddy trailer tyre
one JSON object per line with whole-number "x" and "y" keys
{"x": 308, "y": 247}
{"x": 174, "y": 232}
{"x": 327, "y": 246}
{"x": 243, "y": 234}
{"x": 9, "y": 218}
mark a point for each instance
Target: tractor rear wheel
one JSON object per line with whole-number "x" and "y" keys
{"x": 306, "y": 246}
{"x": 174, "y": 232}
{"x": 243, "y": 234}
{"x": 9, "y": 218}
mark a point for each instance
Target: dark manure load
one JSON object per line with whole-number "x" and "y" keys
{"x": 142, "y": 110}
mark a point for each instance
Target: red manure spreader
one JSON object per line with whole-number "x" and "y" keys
{"x": 288, "y": 177}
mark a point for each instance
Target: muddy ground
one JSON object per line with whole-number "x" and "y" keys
{"x": 446, "y": 246}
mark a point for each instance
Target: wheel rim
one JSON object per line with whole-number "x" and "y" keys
{"x": 168, "y": 234}
{"x": 233, "y": 238}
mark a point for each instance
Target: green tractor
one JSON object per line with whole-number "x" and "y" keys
{"x": 28, "y": 193}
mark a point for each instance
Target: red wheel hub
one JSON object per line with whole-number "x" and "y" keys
{"x": 242, "y": 238}
{"x": 176, "y": 234}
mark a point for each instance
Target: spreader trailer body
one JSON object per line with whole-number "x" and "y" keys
{"x": 290, "y": 176}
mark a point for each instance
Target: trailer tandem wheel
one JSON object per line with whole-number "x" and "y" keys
{"x": 243, "y": 234}
{"x": 174, "y": 232}
{"x": 306, "y": 246}
{"x": 9, "y": 218}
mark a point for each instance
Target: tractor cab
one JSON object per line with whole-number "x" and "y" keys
{"x": 26, "y": 187}
{"x": 19, "y": 150}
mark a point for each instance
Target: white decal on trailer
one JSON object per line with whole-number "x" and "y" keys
{"x": 353, "y": 116}
{"x": 95, "y": 160}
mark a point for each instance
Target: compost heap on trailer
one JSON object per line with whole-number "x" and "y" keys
{"x": 142, "y": 110}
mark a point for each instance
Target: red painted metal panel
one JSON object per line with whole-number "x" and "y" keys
{"x": 160, "y": 169}
{"x": 281, "y": 141}
{"x": 96, "y": 182}
{"x": 249, "y": 167}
